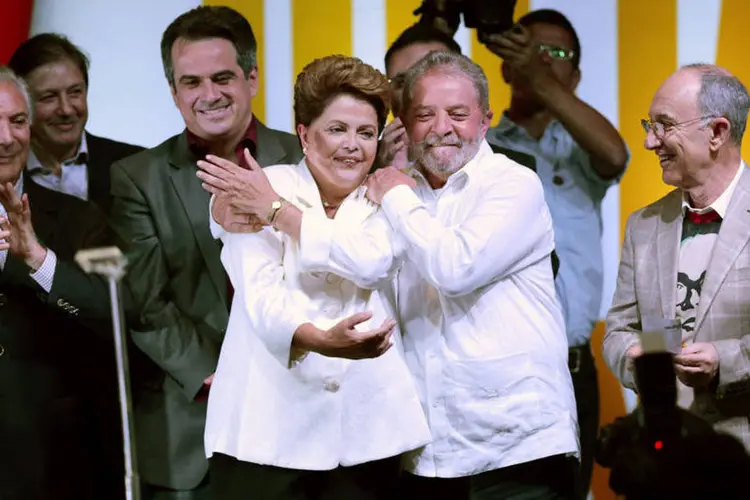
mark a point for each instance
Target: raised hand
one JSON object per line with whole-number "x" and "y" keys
{"x": 17, "y": 229}
{"x": 247, "y": 189}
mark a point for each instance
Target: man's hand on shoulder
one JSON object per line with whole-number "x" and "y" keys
{"x": 383, "y": 180}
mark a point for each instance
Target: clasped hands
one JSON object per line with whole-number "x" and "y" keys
{"x": 16, "y": 229}
{"x": 696, "y": 365}
{"x": 244, "y": 196}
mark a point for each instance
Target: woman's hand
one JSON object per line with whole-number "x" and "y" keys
{"x": 233, "y": 219}
{"x": 246, "y": 189}
{"x": 343, "y": 340}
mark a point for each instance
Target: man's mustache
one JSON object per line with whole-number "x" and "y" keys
{"x": 65, "y": 120}
{"x": 436, "y": 141}
{"x": 210, "y": 106}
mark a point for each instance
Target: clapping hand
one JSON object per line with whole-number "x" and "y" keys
{"x": 248, "y": 190}
{"x": 233, "y": 219}
{"x": 17, "y": 230}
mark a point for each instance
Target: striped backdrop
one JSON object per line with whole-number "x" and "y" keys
{"x": 629, "y": 47}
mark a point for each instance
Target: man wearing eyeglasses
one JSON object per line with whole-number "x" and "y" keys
{"x": 685, "y": 263}
{"x": 579, "y": 155}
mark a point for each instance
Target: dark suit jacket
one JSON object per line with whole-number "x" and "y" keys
{"x": 179, "y": 290}
{"x": 102, "y": 154}
{"x": 519, "y": 157}
{"x": 46, "y": 368}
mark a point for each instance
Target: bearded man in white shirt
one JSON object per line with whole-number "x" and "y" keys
{"x": 484, "y": 335}
{"x": 483, "y": 330}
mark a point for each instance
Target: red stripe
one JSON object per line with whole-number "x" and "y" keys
{"x": 15, "y": 23}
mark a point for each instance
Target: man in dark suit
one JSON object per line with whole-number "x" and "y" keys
{"x": 64, "y": 156}
{"x": 48, "y": 446}
{"x": 161, "y": 213}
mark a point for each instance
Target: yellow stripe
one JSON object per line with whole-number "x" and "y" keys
{"x": 398, "y": 17}
{"x": 732, "y": 37}
{"x": 253, "y": 11}
{"x": 320, "y": 28}
{"x": 647, "y": 56}
{"x": 490, "y": 63}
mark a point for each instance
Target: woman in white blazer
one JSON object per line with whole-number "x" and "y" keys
{"x": 312, "y": 397}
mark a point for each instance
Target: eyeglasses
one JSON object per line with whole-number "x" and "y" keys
{"x": 397, "y": 81}
{"x": 557, "y": 53}
{"x": 659, "y": 128}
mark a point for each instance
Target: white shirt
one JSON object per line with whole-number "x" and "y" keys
{"x": 73, "y": 179}
{"x": 484, "y": 334}
{"x": 44, "y": 276}
{"x": 269, "y": 405}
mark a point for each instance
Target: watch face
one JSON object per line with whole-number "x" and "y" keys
{"x": 276, "y": 204}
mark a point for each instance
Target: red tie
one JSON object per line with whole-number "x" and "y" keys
{"x": 704, "y": 218}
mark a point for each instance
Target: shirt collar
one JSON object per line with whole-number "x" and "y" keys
{"x": 199, "y": 147}
{"x": 722, "y": 202}
{"x": 508, "y": 127}
{"x": 19, "y": 186}
{"x": 467, "y": 171}
{"x": 34, "y": 165}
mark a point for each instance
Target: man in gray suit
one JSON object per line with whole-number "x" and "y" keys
{"x": 160, "y": 211}
{"x": 685, "y": 260}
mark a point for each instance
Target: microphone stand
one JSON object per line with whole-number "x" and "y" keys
{"x": 110, "y": 263}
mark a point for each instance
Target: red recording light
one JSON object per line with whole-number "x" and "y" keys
{"x": 658, "y": 445}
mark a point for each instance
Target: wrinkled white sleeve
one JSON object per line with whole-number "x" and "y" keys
{"x": 365, "y": 255}
{"x": 273, "y": 309}
{"x": 508, "y": 229}
{"x": 216, "y": 230}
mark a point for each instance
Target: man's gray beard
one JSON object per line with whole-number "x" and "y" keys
{"x": 467, "y": 150}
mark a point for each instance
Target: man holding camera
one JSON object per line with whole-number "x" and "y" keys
{"x": 685, "y": 259}
{"x": 579, "y": 154}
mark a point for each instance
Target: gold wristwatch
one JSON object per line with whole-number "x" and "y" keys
{"x": 275, "y": 207}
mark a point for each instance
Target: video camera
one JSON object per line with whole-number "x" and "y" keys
{"x": 655, "y": 452}
{"x": 487, "y": 16}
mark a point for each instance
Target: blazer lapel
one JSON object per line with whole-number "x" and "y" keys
{"x": 195, "y": 201}
{"x": 97, "y": 168}
{"x": 50, "y": 218}
{"x": 270, "y": 151}
{"x": 668, "y": 247}
{"x": 732, "y": 239}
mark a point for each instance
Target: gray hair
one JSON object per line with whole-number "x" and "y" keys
{"x": 447, "y": 62}
{"x": 8, "y": 75}
{"x": 723, "y": 95}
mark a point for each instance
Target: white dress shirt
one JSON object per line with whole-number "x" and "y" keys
{"x": 272, "y": 405}
{"x": 484, "y": 335}
{"x": 46, "y": 272}
{"x": 74, "y": 177}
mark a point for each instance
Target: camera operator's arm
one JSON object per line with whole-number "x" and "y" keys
{"x": 621, "y": 343}
{"x": 522, "y": 62}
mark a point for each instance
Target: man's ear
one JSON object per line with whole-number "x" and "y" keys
{"x": 252, "y": 79}
{"x": 721, "y": 131}
{"x": 173, "y": 92}
{"x": 487, "y": 121}
{"x": 575, "y": 80}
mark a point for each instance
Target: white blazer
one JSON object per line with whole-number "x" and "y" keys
{"x": 301, "y": 410}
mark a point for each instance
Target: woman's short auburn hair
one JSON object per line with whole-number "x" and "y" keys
{"x": 326, "y": 78}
